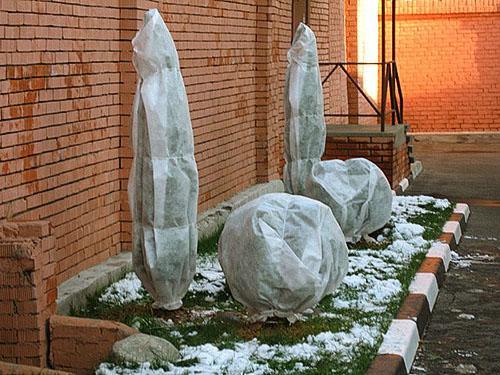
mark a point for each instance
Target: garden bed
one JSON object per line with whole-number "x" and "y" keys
{"x": 341, "y": 335}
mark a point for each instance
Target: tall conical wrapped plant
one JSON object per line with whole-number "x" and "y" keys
{"x": 356, "y": 190}
{"x": 163, "y": 183}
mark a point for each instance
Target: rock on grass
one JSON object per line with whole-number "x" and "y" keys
{"x": 141, "y": 348}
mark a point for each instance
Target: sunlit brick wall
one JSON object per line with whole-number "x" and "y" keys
{"x": 447, "y": 54}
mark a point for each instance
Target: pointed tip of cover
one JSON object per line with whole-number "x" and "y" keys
{"x": 153, "y": 45}
{"x": 303, "y": 47}
{"x": 150, "y": 14}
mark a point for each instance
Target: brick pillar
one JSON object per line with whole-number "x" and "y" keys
{"x": 28, "y": 291}
{"x": 356, "y": 102}
{"x": 273, "y": 38}
{"x": 351, "y": 35}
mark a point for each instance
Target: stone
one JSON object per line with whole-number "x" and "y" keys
{"x": 141, "y": 348}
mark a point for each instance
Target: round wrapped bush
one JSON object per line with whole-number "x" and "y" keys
{"x": 356, "y": 190}
{"x": 281, "y": 254}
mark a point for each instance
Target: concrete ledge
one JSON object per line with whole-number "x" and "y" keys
{"x": 457, "y": 137}
{"x": 401, "y": 339}
{"x": 433, "y": 266}
{"x": 397, "y": 132}
{"x": 441, "y": 251}
{"x": 416, "y": 168}
{"x": 462, "y": 208}
{"x": 74, "y": 291}
{"x": 426, "y": 284}
{"x": 454, "y": 228}
{"x": 416, "y": 307}
{"x": 212, "y": 219}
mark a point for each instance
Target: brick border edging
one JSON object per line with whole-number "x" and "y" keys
{"x": 399, "y": 348}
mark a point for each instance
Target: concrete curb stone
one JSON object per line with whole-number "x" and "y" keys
{"x": 398, "y": 350}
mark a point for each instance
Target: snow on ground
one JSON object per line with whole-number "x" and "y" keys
{"x": 369, "y": 287}
{"x": 209, "y": 276}
{"x": 209, "y": 279}
{"x": 126, "y": 290}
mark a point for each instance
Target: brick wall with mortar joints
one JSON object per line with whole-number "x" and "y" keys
{"x": 224, "y": 50}
{"x": 67, "y": 88}
{"x": 79, "y": 345}
{"x": 28, "y": 291}
{"x": 446, "y": 54}
{"x": 60, "y": 124}
{"x": 380, "y": 150}
{"x": 450, "y": 81}
{"x": 246, "y": 147}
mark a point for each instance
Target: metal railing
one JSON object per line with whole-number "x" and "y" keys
{"x": 390, "y": 84}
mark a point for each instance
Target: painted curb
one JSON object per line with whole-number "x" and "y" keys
{"x": 399, "y": 348}
{"x": 415, "y": 169}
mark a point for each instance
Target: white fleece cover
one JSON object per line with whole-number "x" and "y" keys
{"x": 356, "y": 190}
{"x": 163, "y": 183}
{"x": 281, "y": 254}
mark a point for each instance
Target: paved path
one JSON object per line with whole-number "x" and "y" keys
{"x": 463, "y": 336}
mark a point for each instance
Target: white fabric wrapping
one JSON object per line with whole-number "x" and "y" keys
{"x": 163, "y": 183}
{"x": 356, "y": 190}
{"x": 282, "y": 254}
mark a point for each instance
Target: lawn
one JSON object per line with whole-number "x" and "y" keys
{"x": 341, "y": 335}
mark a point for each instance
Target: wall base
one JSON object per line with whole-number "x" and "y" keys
{"x": 389, "y": 150}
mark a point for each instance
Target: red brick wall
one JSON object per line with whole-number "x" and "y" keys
{"x": 67, "y": 85}
{"x": 393, "y": 160}
{"x": 447, "y": 54}
{"x": 79, "y": 345}
{"x": 28, "y": 291}
{"x": 60, "y": 124}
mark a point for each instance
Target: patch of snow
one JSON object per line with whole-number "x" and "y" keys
{"x": 209, "y": 277}
{"x": 458, "y": 261}
{"x": 466, "y": 317}
{"x": 124, "y": 291}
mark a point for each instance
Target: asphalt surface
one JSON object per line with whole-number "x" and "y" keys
{"x": 463, "y": 336}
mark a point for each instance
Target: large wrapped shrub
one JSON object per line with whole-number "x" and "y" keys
{"x": 163, "y": 183}
{"x": 281, "y": 254}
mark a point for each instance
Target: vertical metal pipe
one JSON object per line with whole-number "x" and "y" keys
{"x": 393, "y": 40}
{"x": 384, "y": 86}
{"x": 394, "y": 30}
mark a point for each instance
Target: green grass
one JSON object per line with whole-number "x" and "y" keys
{"x": 225, "y": 329}
{"x": 433, "y": 220}
{"x": 208, "y": 245}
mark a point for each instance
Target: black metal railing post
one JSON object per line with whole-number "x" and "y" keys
{"x": 384, "y": 89}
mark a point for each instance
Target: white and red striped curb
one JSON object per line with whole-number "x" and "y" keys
{"x": 398, "y": 350}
